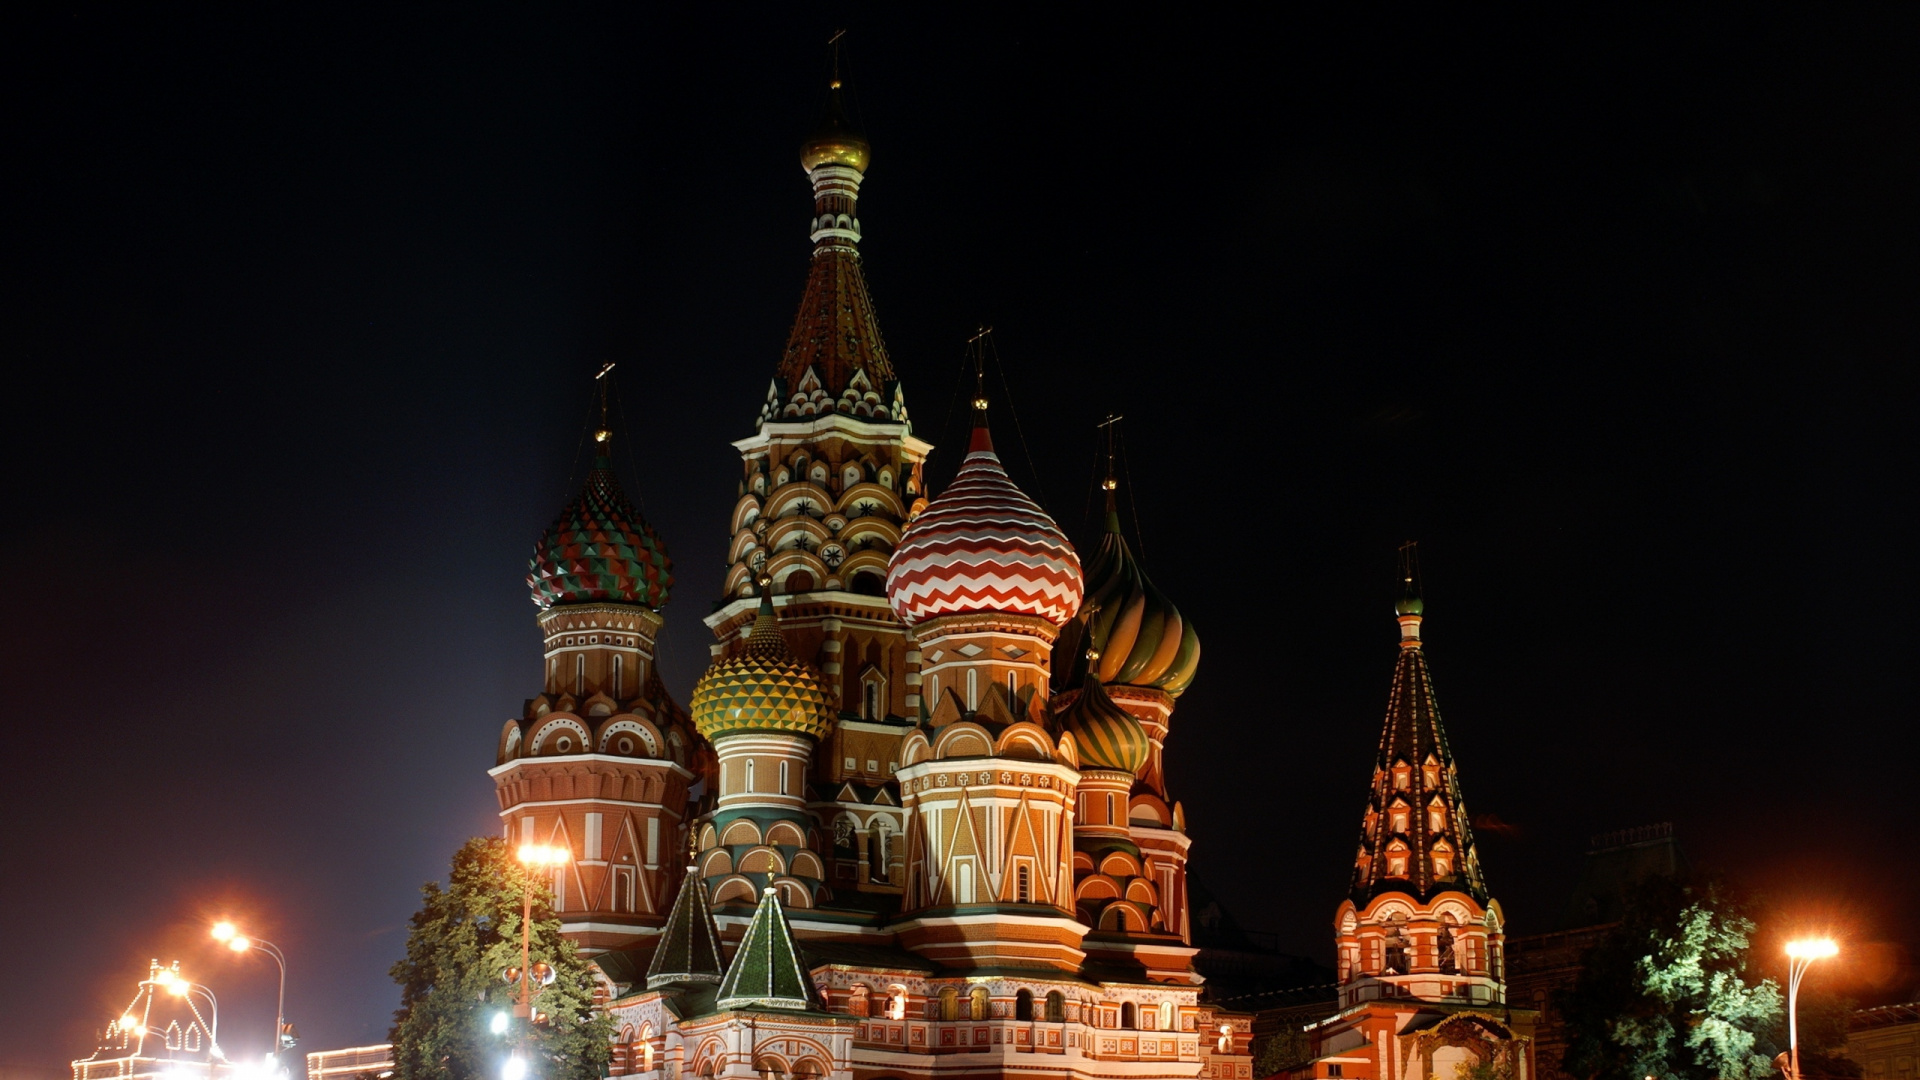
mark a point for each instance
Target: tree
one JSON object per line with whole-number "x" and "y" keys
{"x": 463, "y": 938}
{"x": 1288, "y": 1048}
{"x": 1667, "y": 994}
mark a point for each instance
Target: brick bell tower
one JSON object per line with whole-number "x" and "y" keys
{"x": 828, "y": 481}
{"x": 601, "y": 760}
{"x": 1419, "y": 940}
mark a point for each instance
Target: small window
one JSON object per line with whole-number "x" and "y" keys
{"x": 852, "y": 765}
{"x": 1333, "y": 1071}
{"x": 1023, "y": 1005}
{"x": 783, "y": 778}
{"x": 977, "y": 1003}
{"x": 949, "y": 1003}
{"x": 1023, "y": 888}
{"x": 1127, "y": 1018}
{"x": 579, "y": 675}
{"x": 1056, "y": 1007}
{"x": 619, "y": 673}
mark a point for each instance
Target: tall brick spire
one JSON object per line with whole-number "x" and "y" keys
{"x": 1414, "y": 837}
{"x": 835, "y": 360}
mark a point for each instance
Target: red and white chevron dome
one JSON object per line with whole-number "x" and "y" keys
{"x": 983, "y": 546}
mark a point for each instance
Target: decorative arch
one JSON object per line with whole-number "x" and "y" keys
{"x": 915, "y": 749}
{"x": 558, "y": 727}
{"x": 734, "y": 890}
{"x": 785, "y": 832}
{"x": 741, "y": 831}
{"x": 1026, "y": 741}
{"x": 963, "y": 739}
{"x": 641, "y": 736}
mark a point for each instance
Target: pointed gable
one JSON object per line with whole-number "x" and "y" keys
{"x": 766, "y": 971}
{"x": 689, "y": 949}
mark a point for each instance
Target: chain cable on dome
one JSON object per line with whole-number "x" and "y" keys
{"x": 1000, "y": 368}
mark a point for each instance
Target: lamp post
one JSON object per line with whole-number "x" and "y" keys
{"x": 230, "y": 935}
{"x": 179, "y": 986}
{"x": 535, "y": 858}
{"x": 1800, "y": 956}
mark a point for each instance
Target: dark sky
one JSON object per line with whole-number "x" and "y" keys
{"x": 1615, "y": 314}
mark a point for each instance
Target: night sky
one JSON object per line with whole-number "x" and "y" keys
{"x": 1614, "y": 314}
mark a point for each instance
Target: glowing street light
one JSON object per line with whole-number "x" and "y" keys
{"x": 1801, "y": 955}
{"x": 229, "y": 935}
{"x": 535, "y": 858}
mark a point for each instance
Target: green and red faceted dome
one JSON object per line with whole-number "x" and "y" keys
{"x": 600, "y": 550}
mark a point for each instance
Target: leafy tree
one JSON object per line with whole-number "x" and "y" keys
{"x": 462, "y": 939}
{"x": 1667, "y": 993}
{"x": 1288, "y": 1048}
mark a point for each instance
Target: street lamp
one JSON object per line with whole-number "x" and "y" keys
{"x": 535, "y": 858}
{"x": 229, "y": 935}
{"x": 173, "y": 983}
{"x": 1801, "y": 955}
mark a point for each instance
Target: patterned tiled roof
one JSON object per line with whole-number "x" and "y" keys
{"x": 766, "y": 972}
{"x": 1107, "y": 736}
{"x": 1143, "y": 640}
{"x": 983, "y": 546}
{"x": 764, "y": 688}
{"x": 1414, "y": 807}
{"x": 836, "y": 337}
{"x": 600, "y": 549}
{"x": 689, "y": 949}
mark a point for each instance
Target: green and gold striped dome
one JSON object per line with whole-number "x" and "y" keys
{"x": 1107, "y": 736}
{"x": 764, "y": 688}
{"x": 1142, "y": 639}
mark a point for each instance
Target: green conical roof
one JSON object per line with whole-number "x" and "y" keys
{"x": 689, "y": 950}
{"x": 766, "y": 971}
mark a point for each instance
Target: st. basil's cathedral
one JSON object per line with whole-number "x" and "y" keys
{"x": 913, "y": 821}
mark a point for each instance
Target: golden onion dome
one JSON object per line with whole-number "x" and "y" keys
{"x": 764, "y": 688}
{"x": 835, "y": 142}
{"x": 1107, "y": 736}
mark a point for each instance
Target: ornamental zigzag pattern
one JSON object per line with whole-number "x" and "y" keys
{"x": 984, "y": 546}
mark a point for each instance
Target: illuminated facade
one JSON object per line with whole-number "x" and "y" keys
{"x": 915, "y": 807}
{"x": 1419, "y": 941}
{"x": 168, "y": 1031}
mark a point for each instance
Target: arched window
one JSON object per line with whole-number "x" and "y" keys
{"x": 1444, "y": 941}
{"x": 872, "y": 700}
{"x": 1023, "y": 1005}
{"x": 783, "y": 778}
{"x": 860, "y": 1001}
{"x": 897, "y": 1003}
{"x": 1023, "y": 884}
{"x": 1056, "y": 1007}
{"x": 973, "y": 689}
{"x": 877, "y": 862}
{"x": 619, "y": 676}
{"x": 1166, "y": 1016}
{"x": 749, "y": 786}
{"x": 646, "y": 1048}
{"x": 1127, "y": 1017}
{"x": 978, "y": 1004}
{"x": 949, "y": 1003}
{"x": 579, "y": 674}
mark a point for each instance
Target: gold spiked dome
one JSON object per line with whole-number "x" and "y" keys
{"x": 765, "y": 688}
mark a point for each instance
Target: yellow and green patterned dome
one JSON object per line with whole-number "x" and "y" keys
{"x": 1107, "y": 736}
{"x": 1142, "y": 639}
{"x": 764, "y": 688}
